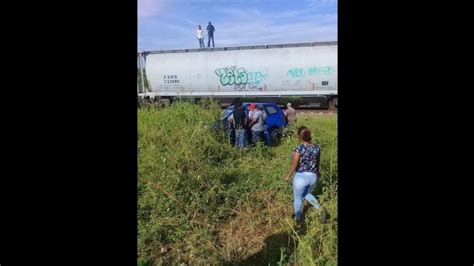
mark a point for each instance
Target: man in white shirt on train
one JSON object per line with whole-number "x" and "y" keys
{"x": 200, "y": 36}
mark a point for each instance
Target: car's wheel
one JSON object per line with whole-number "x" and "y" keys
{"x": 275, "y": 133}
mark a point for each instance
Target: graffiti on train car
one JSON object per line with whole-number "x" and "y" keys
{"x": 298, "y": 72}
{"x": 240, "y": 78}
{"x": 327, "y": 70}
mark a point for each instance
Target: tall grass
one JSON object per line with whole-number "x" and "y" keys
{"x": 201, "y": 201}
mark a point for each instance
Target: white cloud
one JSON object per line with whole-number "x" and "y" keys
{"x": 148, "y": 8}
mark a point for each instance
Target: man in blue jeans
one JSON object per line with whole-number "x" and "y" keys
{"x": 210, "y": 34}
{"x": 239, "y": 121}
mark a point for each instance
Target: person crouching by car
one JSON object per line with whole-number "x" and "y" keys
{"x": 239, "y": 121}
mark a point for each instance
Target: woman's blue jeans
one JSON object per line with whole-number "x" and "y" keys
{"x": 303, "y": 183}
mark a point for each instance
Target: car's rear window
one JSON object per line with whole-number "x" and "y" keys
{"x": 271, "y": 110}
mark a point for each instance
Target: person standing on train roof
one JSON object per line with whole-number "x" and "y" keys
{"x": 210, "y": 34}
{"x": 200, "y": 36}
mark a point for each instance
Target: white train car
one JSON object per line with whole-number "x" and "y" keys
{"x": 304, "y": 70}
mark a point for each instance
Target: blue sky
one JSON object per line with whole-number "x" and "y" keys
{"x": 171, "y": 24}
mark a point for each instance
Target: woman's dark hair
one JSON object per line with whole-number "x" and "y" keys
{"x": 304, "y": 133}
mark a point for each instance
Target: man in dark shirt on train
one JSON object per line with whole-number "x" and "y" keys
{"x": 210, "y": 34}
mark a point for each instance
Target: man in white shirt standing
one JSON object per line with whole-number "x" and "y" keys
{"x": 200, "y": 36}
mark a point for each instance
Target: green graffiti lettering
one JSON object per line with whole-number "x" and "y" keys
{"x": 230, "y": 77}
{"x": 327, "y": 70}
{"x": 313, "y": 70}
{"x": 296, "y": 72}
{"x": 240, "y": 78}
{"x": 256, "y": 77}
{"x": 222, "y": 73}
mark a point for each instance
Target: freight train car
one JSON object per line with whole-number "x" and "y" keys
{"x": 306, "y": 73}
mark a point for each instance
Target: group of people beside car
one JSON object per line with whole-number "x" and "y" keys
{"x": 249, "y": 124}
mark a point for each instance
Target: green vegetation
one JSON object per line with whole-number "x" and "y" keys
{"x": 139, "y": 80}
{"x": 201, "y": 201}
